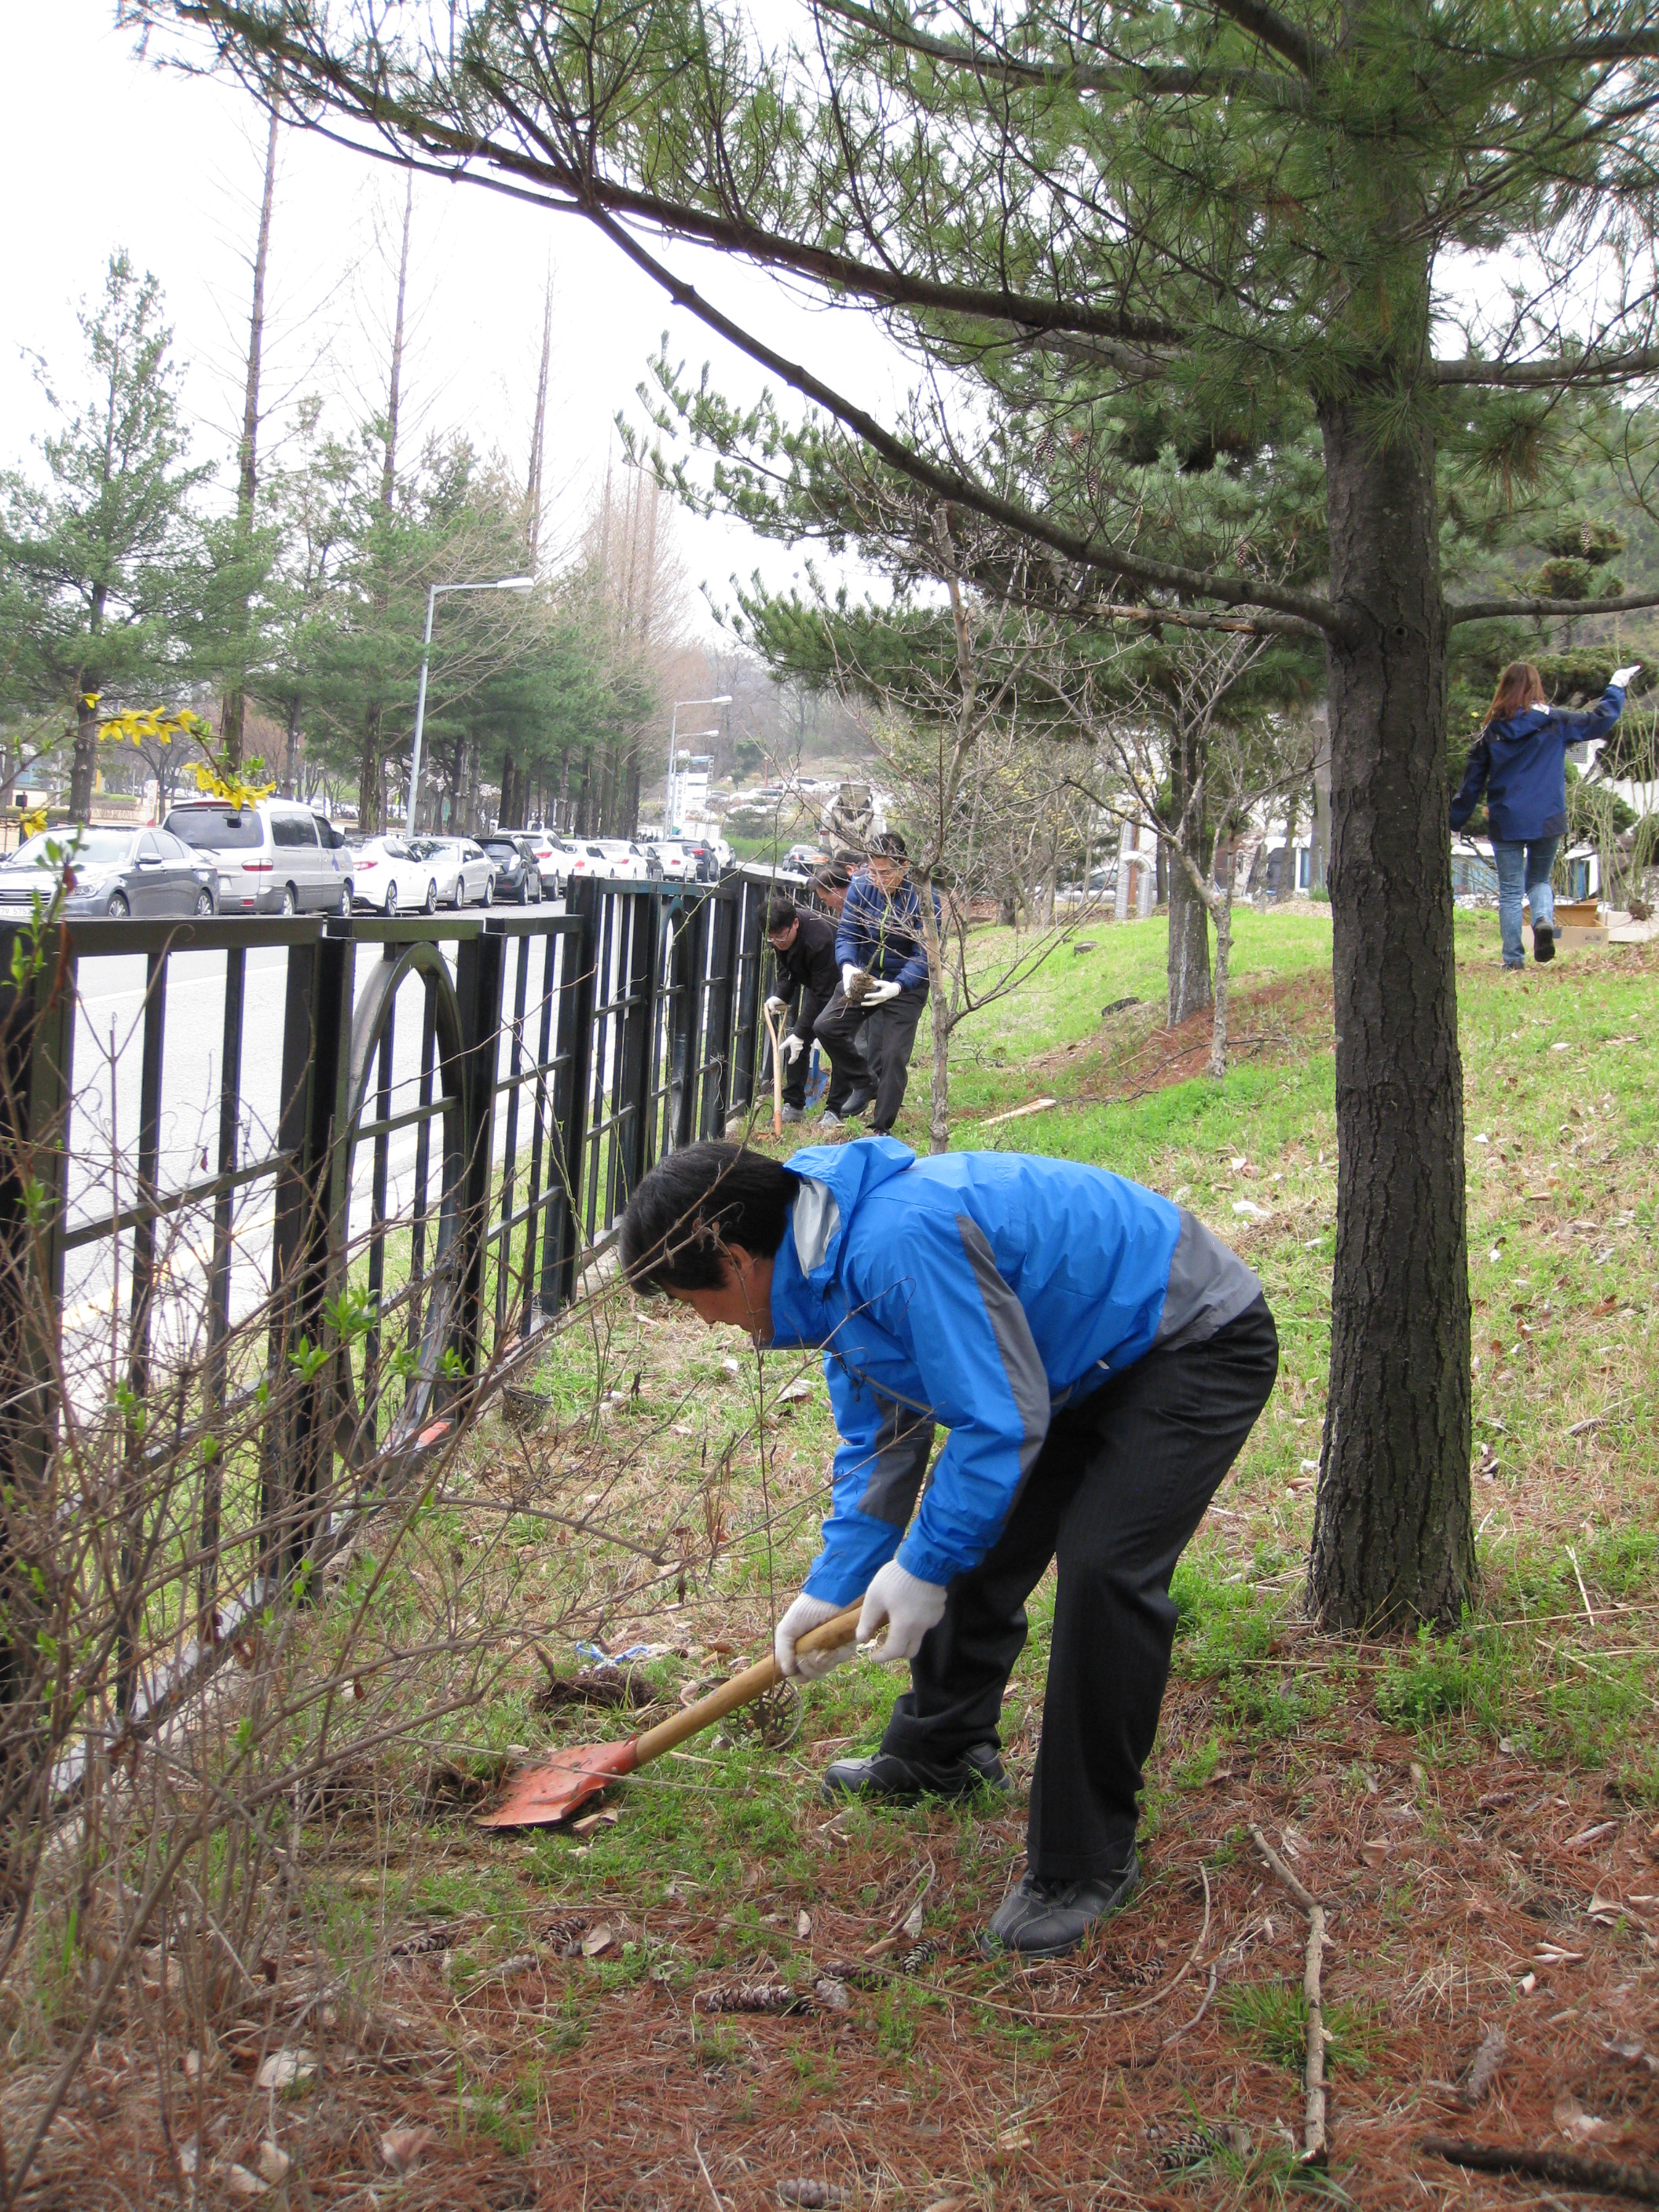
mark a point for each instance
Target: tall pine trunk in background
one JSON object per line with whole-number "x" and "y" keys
{"x": 371, "y": 783}
{"x": 233, "y": 706}
{"x": 1392, "y": 1533}
{"x": 1188, "y": 963}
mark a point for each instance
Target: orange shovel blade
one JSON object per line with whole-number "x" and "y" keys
{"x": 543, "y": 1795}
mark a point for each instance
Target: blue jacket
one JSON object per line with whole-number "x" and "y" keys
{"x": 1520, "y": 762}
{"x": 981, "y": 1291}
{"x": 883, "y": 932}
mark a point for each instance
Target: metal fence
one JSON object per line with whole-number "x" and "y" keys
{"x": 365, "y": 1159}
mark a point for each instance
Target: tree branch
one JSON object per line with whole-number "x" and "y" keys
{"x": 1275, "y": 32}
{"x": 1528, "y": 375}
{"x": 1489, "y": 610}
{"x": 1314, "y": 616}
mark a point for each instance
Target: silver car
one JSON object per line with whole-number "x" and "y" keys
{"x": 148, "y": 873}
{"x": 464, "y": 870}
{"x": 275, "y": 857}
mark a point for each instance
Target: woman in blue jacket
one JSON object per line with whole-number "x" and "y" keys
{"x": 1098, "y": 1359}
{"x": 1519, "y": 761}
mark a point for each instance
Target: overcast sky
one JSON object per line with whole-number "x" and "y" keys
{"x": 102, "y": 149}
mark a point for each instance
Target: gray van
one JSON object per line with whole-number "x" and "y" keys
{"x": 277, "y": 857}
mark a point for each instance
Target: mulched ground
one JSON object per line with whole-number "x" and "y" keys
{"x": 1464, "y": 1895}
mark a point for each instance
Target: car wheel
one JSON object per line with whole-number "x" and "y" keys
{"x": 490, "y": 891}
{"x": 432, "y": 895}
{"x": 290, "y": 899}
{"x": 524, "y": 892}
{"x": 345, "y": 907}
{"x": 117, "y": 909}
{"x": 203, "y": 903}
{"x": 459, "y": 900}
{"x": 391, "y": 898}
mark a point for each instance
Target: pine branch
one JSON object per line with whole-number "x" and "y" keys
{"x": 1490, "y": 610}
{"x": 1551, "y": 376}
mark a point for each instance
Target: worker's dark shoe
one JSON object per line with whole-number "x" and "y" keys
{"x": 858, "y": 1104}
{"x": 1543, "y": 941}
{"x": 886, "y": 1777}
{"x": 793, "y": 1113}
{"x": 1043, "y": 1919}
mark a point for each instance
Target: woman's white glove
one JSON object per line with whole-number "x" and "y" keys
{"x": 879, "y": 994}
{"x": 792, "y": 1049}
{"x": 1621, "y": 677}
{"x": 807, "y": 1612}
{"x": 777, "y": 1008}
{"x": 909, "y": 1607}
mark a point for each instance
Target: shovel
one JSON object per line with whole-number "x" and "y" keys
{"x": 775, "y": 1031}
{"x": 542, "y": 1794}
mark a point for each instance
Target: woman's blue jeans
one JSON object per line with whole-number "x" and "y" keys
{"x": 1524, "y": 864}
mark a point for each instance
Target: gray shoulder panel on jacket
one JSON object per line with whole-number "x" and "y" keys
{"x": 816, "y": 1219}
{"x": 1028, "y": 1382}
{"x": 1209, "y": 1286}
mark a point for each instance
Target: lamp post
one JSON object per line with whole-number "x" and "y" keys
{"x": 497, "y": 584}
{"x": 724, "y": 699}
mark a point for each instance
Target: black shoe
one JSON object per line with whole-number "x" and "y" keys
{"x": 891, "y": 1780}
{"x": 1543, "y": 941}
{"x": 1043, "y": 1919}
{"x": 859, "y": 1103}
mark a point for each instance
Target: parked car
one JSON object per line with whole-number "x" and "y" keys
{"x": 518, "y": 868}
{"x": 386, "y": 873}
{"x": 678, "y": 864}
{"x": 277, "y": 857}
{"x": 553, "y": 856}
{"x": 619, "y": 858}
{"x": 463, "y": 869}
{"x": 147, "y": 872}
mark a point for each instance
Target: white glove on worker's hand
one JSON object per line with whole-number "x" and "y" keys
{"x": 792, "y": 1049}
{"x": 1621, "y": 677}
{"x": 807, "y": 1612}
{"x": 909, "y": 1608}
{"x": 850, "y": 971}
{"x": 777, "y": 1008}
{"x": 877, "y": 995}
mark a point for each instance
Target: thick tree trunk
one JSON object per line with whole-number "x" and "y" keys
{"x": 83, "y": 770}
{"x": 1393, "y": 1539}
{"x": 233, "y": 711}
{"x": 371, "y": 782}
{"x": 1224, "y": 955}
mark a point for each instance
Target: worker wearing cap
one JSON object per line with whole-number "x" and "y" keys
{"x": 1097, "y": 1358}
{"x": 882, "y": 947}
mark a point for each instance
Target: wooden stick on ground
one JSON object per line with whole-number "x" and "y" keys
{"x": 1607, "y": 2177}
{"x": 1316, "y": 2142}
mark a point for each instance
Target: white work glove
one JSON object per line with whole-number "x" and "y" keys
{"x": 1621, "y": 677}
{"x": 849, "y": 968}
{"x": 909, "y": 1608}
{"x": 777, "y": 1008}
{"x": 805, "y": 1614}
{"x": 879, "y": 994}
{"x": 792, "y": 1049}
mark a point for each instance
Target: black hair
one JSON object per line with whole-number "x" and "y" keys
{"x": 695, "y": 1203}
{"x": 837, "y": 877}
{"x": 779, "y": 916}
{"x": 890, "y": 846}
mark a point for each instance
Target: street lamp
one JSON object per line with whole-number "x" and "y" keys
{"x": 497, "y": 584}
{"x": 723, "y": 698}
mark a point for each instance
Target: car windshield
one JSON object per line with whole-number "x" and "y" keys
{"x": 216, "y": 828}
{"x": 98, "y": 849}
{"x": 502, "y": 850}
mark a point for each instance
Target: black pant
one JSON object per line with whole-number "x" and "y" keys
{"x": 794, "y": 1071}
{"x": 884, "y": 1036}
{"x": 836, "y": 1030}
{"x": 1113, "y": 1497}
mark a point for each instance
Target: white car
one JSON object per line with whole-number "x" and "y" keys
{"x": 553, "y": 857}
{"x": 678, "y": 865}
{"x": 386, "y": 873}
{"x": 464, "y": 872}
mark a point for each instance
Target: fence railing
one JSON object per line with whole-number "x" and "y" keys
{"x": 304, "y": 1182}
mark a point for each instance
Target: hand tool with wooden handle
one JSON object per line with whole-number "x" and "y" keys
{"x": 541, "y": 1795}
{"x": 775, "y": 1031}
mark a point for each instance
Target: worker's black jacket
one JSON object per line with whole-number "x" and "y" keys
{"x": 809, "y": 967}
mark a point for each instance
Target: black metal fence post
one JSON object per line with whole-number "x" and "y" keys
{"x": 576, "y": 1023}
{"x": 478, "y": 976}
{"x": 37, "y": 1064}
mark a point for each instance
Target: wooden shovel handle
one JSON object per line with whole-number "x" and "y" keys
{"x": 742, "y": 1690}
{"x": 775, "y": 1031}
